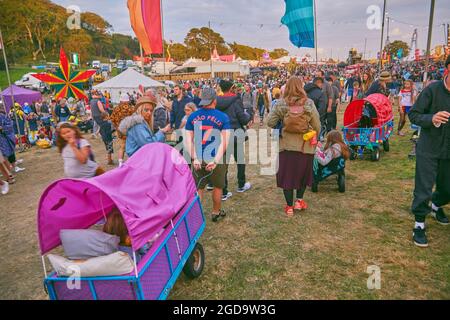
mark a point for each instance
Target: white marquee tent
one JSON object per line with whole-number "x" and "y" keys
{"x": 127, "y": 82}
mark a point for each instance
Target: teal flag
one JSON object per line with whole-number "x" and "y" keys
{"x": 299, "y": 18}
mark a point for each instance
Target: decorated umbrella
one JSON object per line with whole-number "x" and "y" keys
{"x": 67, "y": 83}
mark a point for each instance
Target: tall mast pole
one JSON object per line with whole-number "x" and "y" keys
{"x": 210, "y": 49}
{"x": 12, "y": 91}
{"x": 162, "y": 30}
{"x": 430, "y": 33}
{"x": 315, "y": 33}
{"x": 382, "y": 36}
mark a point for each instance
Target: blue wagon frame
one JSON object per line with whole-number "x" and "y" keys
{"x": 382, "y": 133}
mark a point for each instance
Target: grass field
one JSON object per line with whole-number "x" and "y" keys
{"x": 16, "y": 73}
{"x": 258, "y": 253}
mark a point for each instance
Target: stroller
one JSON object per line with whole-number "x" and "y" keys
{"x": 156, "y": 195}
{"x": 368, "y": 125}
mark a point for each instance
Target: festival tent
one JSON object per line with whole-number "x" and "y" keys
{"x": 127, "y": 82}
{"x": 21, "y": 95}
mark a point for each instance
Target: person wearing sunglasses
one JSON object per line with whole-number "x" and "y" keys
{"x": 139, "y": 129}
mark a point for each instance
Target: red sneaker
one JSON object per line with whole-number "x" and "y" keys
{"x": 289, "y": 211}
{"x": 300, "y": 205}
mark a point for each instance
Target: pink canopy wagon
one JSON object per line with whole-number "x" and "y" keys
{"x": 154, "y": 191}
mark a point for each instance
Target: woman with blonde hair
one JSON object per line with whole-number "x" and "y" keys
{"x": 139, "y": 129}
{"x": 189, "y": 109}
{"x": 298, "y": 116}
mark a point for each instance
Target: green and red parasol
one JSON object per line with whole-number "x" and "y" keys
{"x": 67, "y": 83}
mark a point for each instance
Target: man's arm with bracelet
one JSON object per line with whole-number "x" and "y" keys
{"x": 222, "y": 147}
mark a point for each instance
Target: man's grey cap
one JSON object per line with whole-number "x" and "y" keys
{"x": 208, "y": 96}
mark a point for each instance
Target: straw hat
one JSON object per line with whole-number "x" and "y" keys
{"x": 147, "y": 99}
{"x": 385, "y": 76}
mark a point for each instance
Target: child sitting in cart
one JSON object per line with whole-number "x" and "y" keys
{"x": 115, "y": 225}
{"x": 335, "y": 147}
{"x": 331, "y": 160}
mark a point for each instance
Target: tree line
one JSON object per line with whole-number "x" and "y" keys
{"x": 34, "y": 30}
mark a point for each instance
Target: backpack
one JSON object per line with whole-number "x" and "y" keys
{"x": 297, "y": 123}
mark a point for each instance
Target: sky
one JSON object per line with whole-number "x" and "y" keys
{"x": 342, "y": 24}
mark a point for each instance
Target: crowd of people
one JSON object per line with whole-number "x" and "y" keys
{"x": 300, "y": 107}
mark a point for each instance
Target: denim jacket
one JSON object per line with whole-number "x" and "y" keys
{"x": 138, "y": 133}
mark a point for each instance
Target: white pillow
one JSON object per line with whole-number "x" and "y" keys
{"x": 116, "y": 264}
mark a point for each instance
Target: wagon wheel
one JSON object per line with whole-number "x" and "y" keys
{"x": 375, "y": 156}
{"x": 196, "y": 262}
{"x": 386, "y": 146}
{"x": 341, "y": 182}
{"x": 353, "y": 154}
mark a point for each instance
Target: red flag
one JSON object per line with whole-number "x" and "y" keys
{"x": 145, "y": 17}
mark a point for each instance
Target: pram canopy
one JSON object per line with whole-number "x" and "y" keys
{"x": 149, "y": 190}
{"x": 381, "y": 104}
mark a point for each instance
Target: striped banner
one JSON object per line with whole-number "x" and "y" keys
{"x": 145, "y": 18}
{"x": 299, "y": 18}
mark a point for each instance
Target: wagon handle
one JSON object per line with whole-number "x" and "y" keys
{"x": 176, "y": 239}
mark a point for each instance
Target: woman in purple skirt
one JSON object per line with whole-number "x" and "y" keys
{"x": 297, "y": 115}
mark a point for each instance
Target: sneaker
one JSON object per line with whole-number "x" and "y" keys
{"x": 289, "y": 211}
{"x": 420, "y": 238}
{"x": 227, "y": 196}
{"x": 401, "y": 134}
{"x": 18, "y": 169}
{"x": 5, "y": 187}
{"x": 209, "y": 187}
{"x": 440, "y": 216}
{"x": 300, "y": 205}
{"x": 20, "y": 161}
{"x": 247, "y": 186}
{"x": 216, "y": 216}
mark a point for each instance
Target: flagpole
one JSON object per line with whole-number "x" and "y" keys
{"x": 210, "y": 50}
{"x": 430, "y": 32}
{"x": 382, "y": 36}
{"x": 162, "y": 31}
{"x": 12, "y": 91}
{"x": 142, "y": 58}
{"x": 315, "y": 32}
